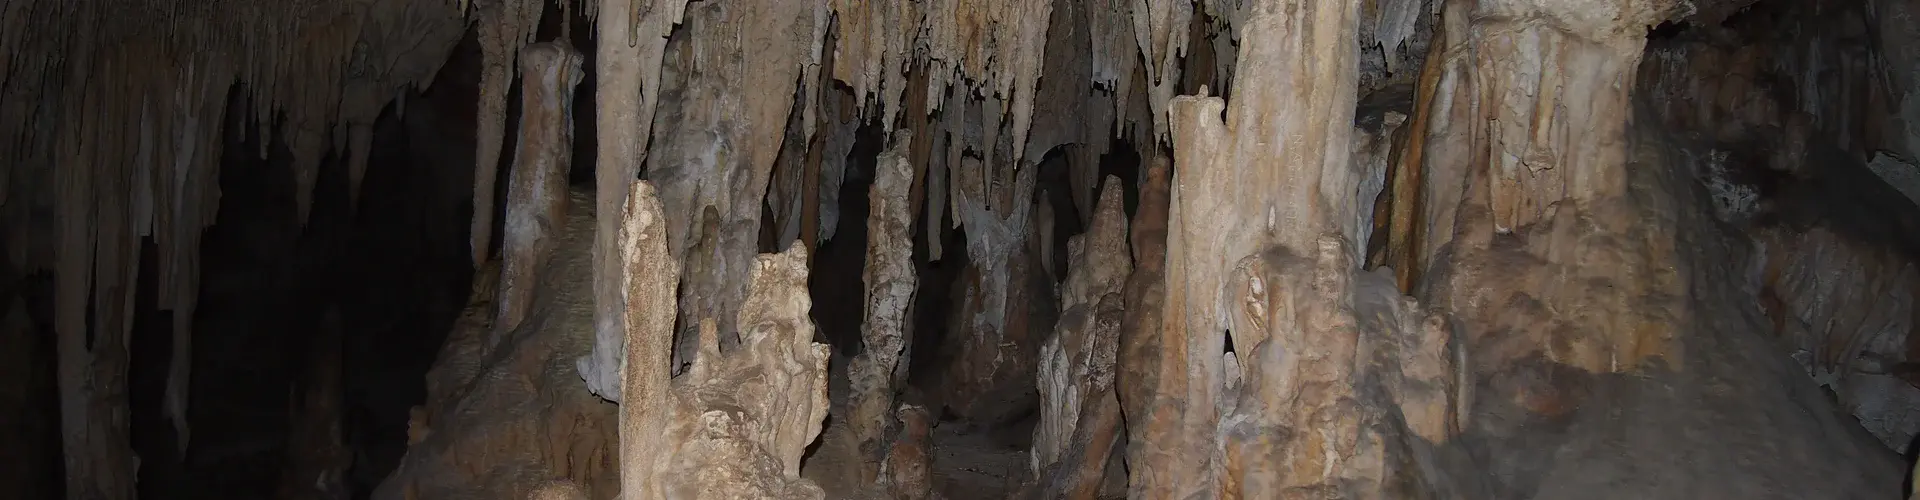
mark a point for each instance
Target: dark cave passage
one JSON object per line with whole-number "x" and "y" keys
{"x": 991, "y": 445}
{"x": 380, "y": 282}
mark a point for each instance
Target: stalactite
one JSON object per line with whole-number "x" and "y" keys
{"x": 190, "y": 199}
{"x": 537, "y": 186}
{"x": 991, "y": 49}
{"x": 1846, "y": 307}
{"x": 838, "y": 136}
{"x": 891, "y": 283}
{"x": 1393, "y": 23}
{"x": 141, "y": 89}
{"x": 1899, "y": 44}
{"x": 992, "y": 343}
{"x": 786, "y": 193}
{"x": 728, "y": 91}
{"x": 99, "y": 460}
{"x": 627, "y": 77}
{"x": 504, "y": 27}
{"x": 938, "y": 164}
{"x": 1157, "y": 25}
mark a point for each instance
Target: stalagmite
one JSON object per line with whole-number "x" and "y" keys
{"x": 1077, "y": 363}
{"x": 627, "y": 76}
{"x": 737, "y": 424}
{"x": 537, "y": 188}
{"x": 504, "y": 26}
{"x": 1262, "y": 230}
{"x": 648, "y": 279}
{"x": 905, "y": 472}
{"x": 1142, "y": 359}
{"x": 891, "y": 283}
{"x": 559, "y": 490}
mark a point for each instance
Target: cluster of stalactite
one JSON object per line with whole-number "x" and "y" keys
{"x": 112, "y": 130}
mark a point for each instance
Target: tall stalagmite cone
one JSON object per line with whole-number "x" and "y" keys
{"x": 890, "y": 279}
{"x": 1077, "y": 364}
{"x": 537, "y": 186}
{"x": 648, "y": 280}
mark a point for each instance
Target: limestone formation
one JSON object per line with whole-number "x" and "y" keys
{"x": 1141, "y": 361}
{"x": 993, "y": 328}
{"x": 627, "y": 87}
{"x": 649, "y": 277}
{"x": 1373, "y": 148}
{"x": 1544, "y": 149}
{"x": 726, "y": 93}
{"x": 504, "y": 26}
{"x": 891, "y": 282}
{"x": 501, "y": 420}
{"x": 537, "y": 187}
{"x": 1076, "y": 369}
{"x": 736, "y": 425}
